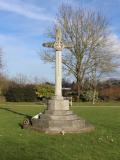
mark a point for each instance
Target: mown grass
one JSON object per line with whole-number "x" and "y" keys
{"x": 101, "y": 104}
{"x": 19, "y": 144}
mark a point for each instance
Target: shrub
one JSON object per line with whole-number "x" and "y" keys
{"x": 88, "y": 96}
{"x": 44, "y": 90}
{"x": 21, "y": 93}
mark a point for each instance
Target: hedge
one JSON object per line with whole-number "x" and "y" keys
{"x": 21, "y": 93}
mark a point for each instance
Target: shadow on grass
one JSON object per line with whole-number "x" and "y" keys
{"x": 18, "y": 113}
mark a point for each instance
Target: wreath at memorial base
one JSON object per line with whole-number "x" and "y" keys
{"x": 26, "y": 123}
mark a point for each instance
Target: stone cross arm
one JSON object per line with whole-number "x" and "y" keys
{"x": 63, "y": 45}
{"x": 48, "y": 45}
{"x": 68, "y": 45}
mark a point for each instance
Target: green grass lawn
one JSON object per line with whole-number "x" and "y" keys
{"x": 20, "y": 144}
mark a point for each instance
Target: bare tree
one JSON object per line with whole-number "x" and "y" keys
{"x": 89, "y": 33}
{"x": 4, "y": 83}
{"x": 21, "y": 79}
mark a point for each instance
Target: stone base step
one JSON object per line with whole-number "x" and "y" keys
{"x": 58, "y": 117}
{"x": 57, "y": 126}
{"x": 58, "y": 112}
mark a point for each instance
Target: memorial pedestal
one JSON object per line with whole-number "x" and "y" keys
{"x": 58, "y": 118}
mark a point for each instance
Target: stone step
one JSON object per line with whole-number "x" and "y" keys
{"x": 58, "y": 112}
{"x": 59, "y": 117}
{"x": 57, "y": 126}
{"x": 67, "y": 124}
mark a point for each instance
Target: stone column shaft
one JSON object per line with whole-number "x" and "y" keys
{"x": 58, "y": 75}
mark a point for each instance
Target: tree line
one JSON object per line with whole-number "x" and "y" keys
{"x": 21, "y": 90}
{"x": 24, "y": 91}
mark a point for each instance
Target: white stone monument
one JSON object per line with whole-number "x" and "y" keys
{"x": 57, "y": 118}
{"x": 58, "y": 45}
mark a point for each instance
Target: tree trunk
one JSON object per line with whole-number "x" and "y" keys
{"x": 94, "y": 86}
{"x": 94, "y": 96}
{"x": 78, "y": 88}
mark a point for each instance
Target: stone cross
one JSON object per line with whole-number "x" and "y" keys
{"x": 58, "y": 45}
